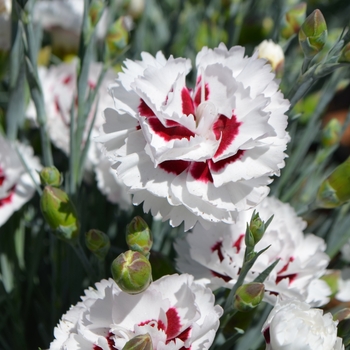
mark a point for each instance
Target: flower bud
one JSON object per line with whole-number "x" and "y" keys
{"x": 248, "y": 296}
{"x": 313, "y": 34}
{"x": 293, "y": 20}
{"x": 135, "y": 8}
{"x": 95, "y": 11}
{"x": 342, "y": 315}
{"x": 140, "y": 342}
{"x": 98, "y": 243}
{"x": 132, "y": 272}
{"x": 117, "y": 37}
{"x": 345, "y": 54}
{"x": 257, "y": 227}
{"x": 59, "y": 212}
{"x": 50, "y": 176}
{"x": 335, "y": 190}
{"x": 273, "y": 53}
{"x": 139, "y": 236}
{"x": 331, "y": 133}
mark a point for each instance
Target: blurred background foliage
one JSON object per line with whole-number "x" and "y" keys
{"x": 35, "y": 288}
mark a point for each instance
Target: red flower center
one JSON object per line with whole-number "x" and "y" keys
{"x": 225, "y": 129}
{"x": 8, "y": 198}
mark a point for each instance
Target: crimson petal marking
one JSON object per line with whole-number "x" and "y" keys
{"x": 198, "y": 96}
{"x": 238, "y": 243}
{"x": 217, "y": 248}
{"x": 174, "y": 324}
{"x": 200, "y": 171}
{"x": 175, "y": 132}
{"x": 110, "y": 341}
{"x": 174, "y": 166}
{"x": 267, "y": 335}
{"x": 291, "y": 277}
{"x": 219, "y": 275}
{"x": 145, "y": 110}
{"x": 2, "y": 179}
{"x": 285, "y": 267}
{"x": 224, "y": 162}
{"x": 8, "y": 199}
{"x": 67, "y": 79}
{"x": 187, "y": 103}
{"x": 227, "y": 129}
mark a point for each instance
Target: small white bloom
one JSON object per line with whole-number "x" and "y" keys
{"x": 176, "y": 312}
{"x": 215, "y": 256}
{"x": 294, "y": 325}
{"x": 16, "y": 185}
{"x": 201, "y": 154}
{"x": 271, "y": 52}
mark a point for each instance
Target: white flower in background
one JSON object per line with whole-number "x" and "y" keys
{"x": 197, "y": 154}
{"x": 64, "y": 19}
{"x": 215, "y": 256}
{"x": 5, "y": 24}
{"x": 295, "y": 325}
{"x": 176, "y": 312}
{"x": 271, "y": 52}
{"x": 343, "y": 293}
{"x": 16, "y": 185}
{"x": 60, "y": 92}
{"x": 345, "y": 252}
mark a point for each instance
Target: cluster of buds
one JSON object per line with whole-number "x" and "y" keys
{"x": 132, "y": 270}
{"x": 57, "y": 208}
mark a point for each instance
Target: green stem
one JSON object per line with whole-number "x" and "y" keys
{"x": 84, "y": 260}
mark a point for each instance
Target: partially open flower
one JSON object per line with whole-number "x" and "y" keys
{"x": 273, "y": 53}
{"x": 295, "y": 325}
{"x": 176, "y": 312}
{"x": 215, "y": 256}
{"x": 200, "y": 154}
{"x": 16, "y": 185}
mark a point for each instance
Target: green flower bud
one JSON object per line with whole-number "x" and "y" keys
{"x": 257, "y": 227}
{"x": 59, "y": 212}
{"x": 331, "y": 133}
{"x": 313, "y": 34}
{"x": 293, "y": 20}
{"x": 140, "y": 342}
{"x": 132, "y": 272}
{"x": 98, "y": 243}
{"x": 332, "y": 279}
{"x": 345, "y": 54}
{"x": 117, "y": 37}
{"x": 255, "y": 230}
{"x": 342, "y": 315}
{"x": 248, "y": 296}
{"x": 335, "y": 190}
{"x": 50, "y": 176}
{"x": 95, "y": 11}
{"x": 139, "y": 236}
